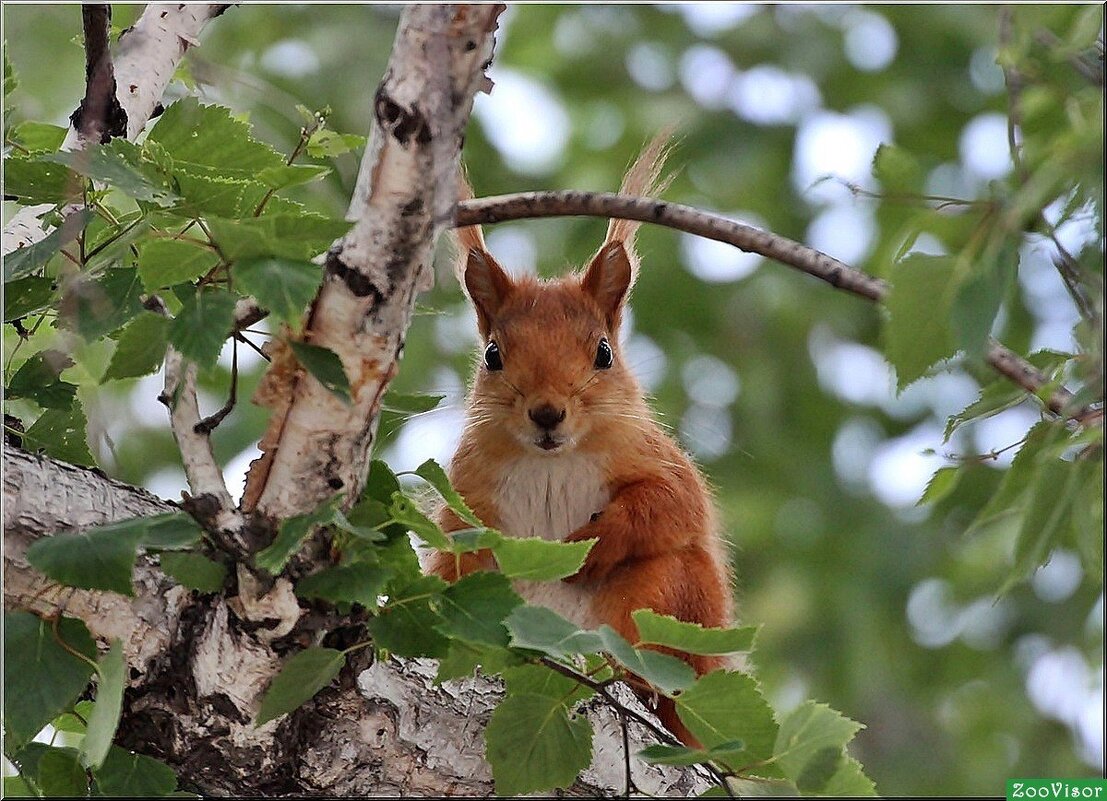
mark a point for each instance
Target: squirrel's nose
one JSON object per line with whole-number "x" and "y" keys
{"x": 546, "y": 416}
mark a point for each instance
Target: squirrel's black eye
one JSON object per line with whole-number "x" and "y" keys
{"x": 604, "y": 356}
{"x": 492, "y": 357}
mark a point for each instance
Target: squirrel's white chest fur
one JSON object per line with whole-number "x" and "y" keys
{"x": 550, "y": 497}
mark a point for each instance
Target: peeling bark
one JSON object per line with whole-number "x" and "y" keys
{"x": 317, "y": 445}
{"x": 199, "y": 664}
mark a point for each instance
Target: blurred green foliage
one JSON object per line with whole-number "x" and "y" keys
{"x": 883, "y": 610}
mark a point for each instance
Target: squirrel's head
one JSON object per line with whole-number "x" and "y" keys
{"x": 552, "y": 375}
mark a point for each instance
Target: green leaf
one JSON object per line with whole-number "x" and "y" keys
{"x": 722, "y": 707}
{"x": 467, "y": 540}
{"x": 11, "y": 80}
{"x": 292, "y": 533}
{"x": 291, "y": 175}
{"x": 168, "y": 262}
{"x": 540, "y": 560}
{"x": 37, "y": 137}
{"x": 192, "y": 134}
{"x": 462, "y": 659}
{"x": 68, "y": 721}
{"x": 849, "y": 780}
{"x": 541, "y": 680}
{"x": 140, "y": 349}
{"x": 431, "y": 472}
{"x": 941, "y": 484}
{"x": 410, "y": 404}
{"x": 403, "y": 511}
{"x": 25, "y": 260}
{"x": 283, "y": 286}
{"x": 325, "y": 365}
{"x": 533, "y": 745}
{"x": 104, "y": 719}
{"x": 300, "y": 679}
{"x": 133, "y": 775}
{"x": 358, "y": 583}
{"x": 473, "y": 609}
{"x": 811, "y": 742}
{"x": 382, "y": 483}
{"x": 194, "y": 570}
{"x": 1047, "y": 517}
{"x": 26, "y": 296}
{"x": 691, "y": 638}
{"x": 977, "y": 299}
{"x": 725, "y": 753}
{"x": 408, "y": 625}
{"x": 202, "y": 326}
{"x": 60, "y": 775}
{"x": 61, "y": 434}
{"x": 539, "y": 629}
{"x": 106, "y": 164}
{"x": 290, "y": 236}
{"x": 32, "y": 180}
{"x": 916, "y": 332}
{"x": 99, "y": 558}
{"x": 17, "y": 787}
{"x": 326, "y": 144}
{"x": 897, "y": 170}
{"x": 37, "y": 379}
{"x": 94, "y": 307}
{"x": 663, "y": 671}
{"x": 173, "y": 531}
{"x": 41, "y": 678}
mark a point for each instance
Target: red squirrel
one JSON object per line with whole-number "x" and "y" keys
{"x": 559, "y": 443}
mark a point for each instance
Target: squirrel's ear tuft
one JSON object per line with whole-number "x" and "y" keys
{"x": 471, "y": 237}
{"x": 608, "y": 280}
{"x": 487, "y": 284}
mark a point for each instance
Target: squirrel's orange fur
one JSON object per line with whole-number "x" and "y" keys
{"x": 606, "y": 470}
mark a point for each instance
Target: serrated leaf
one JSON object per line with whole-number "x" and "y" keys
{"x": 201, "y": 328}
{"x": 382, "y": 483}
{"x": 287, "y": 175}
{"x": 941, "y": 484}
{"x": 897, "y": 170}
{"x": 32, "y": 180}
{"x": 473, "y": 608}
{"x": 97, "y": 559}
{"x": 283, "y": 286}
{"x": 94, "y": 307}
{"x": 37, "y": 137}
{"x": 168, "y": 262}
{"x": 978, "y": 297}
{"x": 541, "y": 680}
{"x": 69, "y": 721}
{"x": 811, "y": 744}
{"x": 533, "y": 745}
{"x": 211, "y": 136}
{"x": 133, "y": 775}
{"x": 140, "y": 349}
{"x": 404, "y": 511}
{"x": 539, "y": 629}
{"x": 25, "y": 260}
{"x": 849, "y": 780}
{"x": 916, "y": 331}
{"x": 722, "y": 707}
{"x": 282, "y": 235}
{"x": 664, "y": 672}
{"x": 194, "y": 570}
{"x": 300, "y": 679}
{"x": 1047, "y": 516}
{"x": 540, "y": 560}
{"x": 408, "y": 625}
{"x": 327, "y": 144}
{"x": 104, "y": 719}
{"x": 107, "y": 164}
{"x": 41, "y": 678}
{"x": 431, "y": 472}
{"x": 61, "y": 434}
{"x": 325, "y": 366}
{"x": 467, "y": 540}
{"x": 357, "y": 583}
{"x": 410, "y": 404}
{"x": 682, "y": 755}
{"x": 27, "y": 295}
{"x": 37, "y": 379}
{"x": 59, "y": 774}
{"x": 292, "y": 533}
{"x": 691, "y": 638}
{"x": 462, "y": 659}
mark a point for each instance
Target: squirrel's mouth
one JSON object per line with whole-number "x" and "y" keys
{"x": 548, "y": 443}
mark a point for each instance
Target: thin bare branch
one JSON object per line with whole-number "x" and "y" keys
{"x": 752, "y": 240}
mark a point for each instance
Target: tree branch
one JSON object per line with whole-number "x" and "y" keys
{"x": 100, "y": 115}
{"x": 752, "y": 240}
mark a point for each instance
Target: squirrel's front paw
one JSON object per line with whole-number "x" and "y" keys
{"x": 595, "y": 566}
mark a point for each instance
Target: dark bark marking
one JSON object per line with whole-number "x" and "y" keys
{"x": 403, "y": 124}
{"x": 358, "y": 284}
